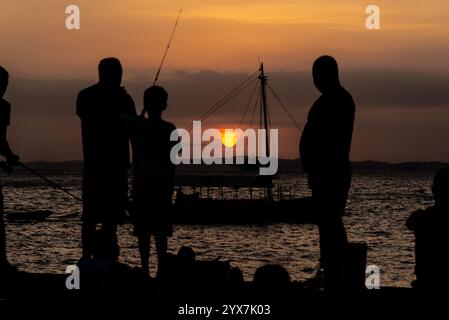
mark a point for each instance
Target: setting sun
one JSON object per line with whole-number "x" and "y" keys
{"x": 229, "y": 139}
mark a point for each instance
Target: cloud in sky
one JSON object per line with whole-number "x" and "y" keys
{"x": 222, "y": 35}
{"x": 45, "y": 126}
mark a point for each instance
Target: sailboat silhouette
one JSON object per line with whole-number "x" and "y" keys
{"x": 270, "y": 205}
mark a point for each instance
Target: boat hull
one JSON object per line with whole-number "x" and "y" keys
{"x": 24, "y": 216}
{"x": 243, "y": 212}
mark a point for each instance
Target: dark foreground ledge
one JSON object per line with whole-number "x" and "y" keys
{"x": 173, "y": 299}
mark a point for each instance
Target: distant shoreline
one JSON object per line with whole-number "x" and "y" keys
{"x": 286, "y": 166}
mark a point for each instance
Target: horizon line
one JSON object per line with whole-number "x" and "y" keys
{"x": 288, "y": 159}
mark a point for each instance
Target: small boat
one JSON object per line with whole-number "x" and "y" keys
{"x": 24, "y": 216}
{"x": 193, "y": 210}
{"x": 199, "y": 208}
{"x": 196, "y": 209}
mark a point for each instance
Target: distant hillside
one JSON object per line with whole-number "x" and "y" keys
{"x": 294, "y": 166}
{"x": 285, "y": 166}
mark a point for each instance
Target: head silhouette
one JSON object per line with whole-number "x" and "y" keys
{"x": 440, "y": 188}
{"x": 110, "y": 72}
{"x": 4, "y": 76}
{"x": 271, "y": 276}
{"x": 155, "y": 100}
{"x": 325, "y": 73}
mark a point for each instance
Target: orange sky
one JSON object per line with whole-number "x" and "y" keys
{"x": 221, "y": 35}
{"x": 49, "y": 64}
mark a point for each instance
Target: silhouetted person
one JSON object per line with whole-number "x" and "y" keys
{"x": 271, "y": 276}
{"x": 324, "y": 150}
{"x": 106, "y": 156}
{"x": 153, "y": 174}
{"x": 11, "y": 158}
{"x": 430, "y": 229}
{"x": 235, "y": 278}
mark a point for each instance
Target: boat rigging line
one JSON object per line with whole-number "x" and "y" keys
{"x": 228, "y": 97}
{"x": 284, "y": 107}
{"x": 255, "y": 107}
{"x": 260, "y": 100}
{"x": 256, "y": 86}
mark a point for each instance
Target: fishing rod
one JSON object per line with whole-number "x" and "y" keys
{"x": 156, "y": 78}
{"x": 50, "y": 182}
{"x": 168, "y": 47}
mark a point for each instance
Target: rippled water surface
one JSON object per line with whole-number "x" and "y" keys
{"x": 378, "y": 207}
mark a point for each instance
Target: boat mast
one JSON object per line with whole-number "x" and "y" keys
{"x": 263, "y": 82}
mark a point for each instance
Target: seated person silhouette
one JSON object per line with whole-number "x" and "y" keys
{"x": 324, "y": 150}
{"x": 271, "y": 276}
{"x": 11, "y": 160}
{"x": 430, "y": 229}
{"x": 153, "y": 174}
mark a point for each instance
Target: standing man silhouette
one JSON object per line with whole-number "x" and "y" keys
{"x": 106, "y": 159}
{"x": 324, "y": 150}
{"x": 11, "y": 158}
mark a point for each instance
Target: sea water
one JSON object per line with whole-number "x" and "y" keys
{"x": 378, "y": 207}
